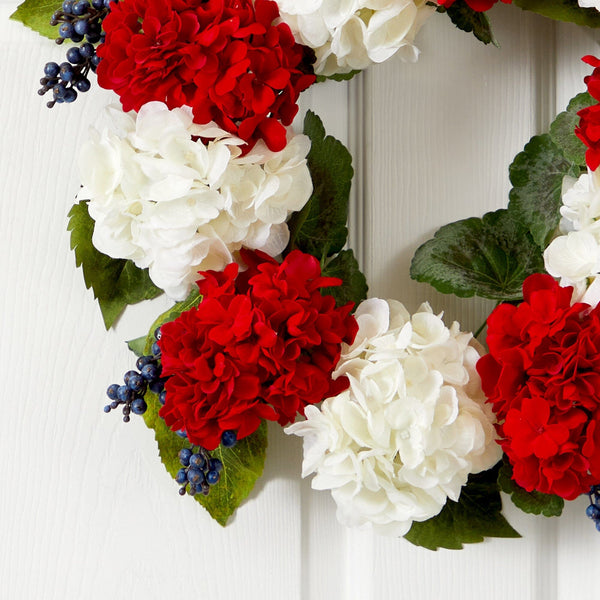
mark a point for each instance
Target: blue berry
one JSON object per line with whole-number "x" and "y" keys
{"x": 107, "y": 4}
{"x": 229, "y": 438}
{"x": 157, "y": 386}
{"x": 107, "y": 408}
{"x": 195, "y": 476}
{"x": 59, "y": 91}
{"x": 111, "y": 392}
{"x": 142, "y": 361}
{"x": 181, "y": 476}
{"x": 150, "y": 372}
{"x": 87, "y": 50}
{"x": 65, "y": 30}
{"x": 83, "y": 85}
{"x": 98, "y": 4}
{"x": 184, "y": 456}
{"x": 136, "y": 383}
{"x": 114, "y": 404}
{"x": 95, "y": 60}
{"x": 593, "y": 512}
{"x": 212, "y": 477}
{"x": 67, "y": 6}
{"x": 156, "y": 349}
{"x": 214, "y": 464}
{"x": 124, "y": 394}
{"x": 70, "y": 95}
{"x": 66, "y": 72}
{"x": 128, "y": 375}
{"x": 198, "y": 461}
{"x": 76, "y": 37}
{"x": 80, "y": 8}
{"x": 81, "y": 27}
{"x": 74, "y": 56}
{"x": 139, "y": 406}
{"x": 51, "y": 69}
{"x": 598, "y": 525}
{"x": 157, "y": 333}
{"x": 162, "y": 397}
{"x": 182, "y": 433}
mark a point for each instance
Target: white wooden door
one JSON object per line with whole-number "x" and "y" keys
{"x": 86, "y": 508}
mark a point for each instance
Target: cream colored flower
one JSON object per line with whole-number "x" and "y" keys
{"x": 410, "y": 429}
{"x": 175, "y": 205}
{"x": 352, "y": 34}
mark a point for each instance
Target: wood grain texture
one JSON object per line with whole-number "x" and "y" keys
{"x": 86, "y": 508}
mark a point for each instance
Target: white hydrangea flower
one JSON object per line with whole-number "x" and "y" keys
{"x": 590, "y": 4}
{"x": 574, "y": 255}
{"x": 411, "y": 427}
{"x": 176, "y": 205}
{"x": 352, "y": 34}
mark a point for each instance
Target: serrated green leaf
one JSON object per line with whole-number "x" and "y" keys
{"x": 536, "y": 175}
{"x": 469, "y": 20}
{"x": 36, "y": 15}
{"x": 242, "y": 465}
{"x": 475, "y": 516}
{"x": 562, "y": 10}
{"x": 137, "y": 346}
{"x": 116, "y": 283}
{"x": 562, "y": 130}
{"x": 338, "y": 76}
{"x": 320, "y": 227}
{"x": 488, "y": 257}
{"x": 354, "y": 287}
{"x": 535, "y": 503}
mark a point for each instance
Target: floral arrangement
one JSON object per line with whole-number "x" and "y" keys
{"x": 200, "y": 189}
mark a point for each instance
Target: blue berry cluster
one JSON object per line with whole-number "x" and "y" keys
{"x": 200, "y": 471}
{"x": 135, "y": 384}
{"x": 77, "y": 20}
{"x": 593, "y": 510}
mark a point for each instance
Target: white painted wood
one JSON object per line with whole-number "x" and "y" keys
{"x": 86, "y": 508}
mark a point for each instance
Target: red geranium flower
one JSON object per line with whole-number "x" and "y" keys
{"x": 478, "y": 5}
{"x": 224, "y": 58}
{"x": 542, "y": 376}
{"x": 262, "y": 344}
{"x": 588, "y": 130}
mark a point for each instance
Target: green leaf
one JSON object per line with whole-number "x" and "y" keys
{"x": 338, "y": 76}
{"x": 116, "y": 283}
{"x": 562, "y": 130}
{"x": 138, "y": 345}
{"x": 562, "y": 10}
{"x": 36, "y": 14}
{"x": 535, "y": 503}
{"x": 476, "y": 515}
{"x": 536, "y": 175}
{"x": 242, "y": 465}
{"x": 488, "y": 257}
{"x": 354, "y": 287}
{"x": 320, "y": 227}
{"x": 469, "y": 20}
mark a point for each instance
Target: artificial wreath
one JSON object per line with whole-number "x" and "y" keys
{"x": 201, "y": 189}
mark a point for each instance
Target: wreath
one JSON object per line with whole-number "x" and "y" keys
{"x": 201, "y": 189}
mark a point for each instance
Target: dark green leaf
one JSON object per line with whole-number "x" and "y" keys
{"x": 536, "y": 175}
{"x": 469, "y": 20}
{"x": 354, "y": 287}
{"x": 138, "y": 345}
{"x": 562, "y": 130}
{"x": 535, "y": 503}
{"x": 488, "y": 257}
{"x": 562, "y": 10}
{"x": 36, "y": 14}
{"x": 477, "y": 514}
{"x": 242, "y": 465}
{"x": 320, "y": 227}
{"x": 337, "y": 76}
{"x": 116, "y": 283}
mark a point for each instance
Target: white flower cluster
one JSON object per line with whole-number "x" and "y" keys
{"x": 590, "y": 4}
{"x": 352, "y": 34}
{"x": 175, "y": 205}
{"x": 574, "y": 256}
{"x": 409, "y": 430}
